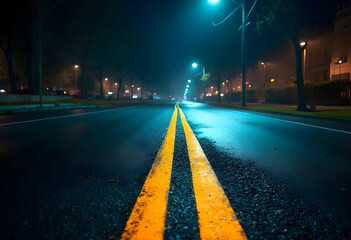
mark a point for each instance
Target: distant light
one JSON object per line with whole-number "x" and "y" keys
{"x": 340, "y": 61}
{"x": 2, "y": 90}
{"x": 247, "y": 82}
{"x": 116, "y": 84}
{"x": 154, "y": 93}
{"x": 250, "y": 85}
{"x": 272, "y": 80}
{"x": 106, "y": 79}
{"x": 138, "y": 88}
{"x": 126, "y": 91}
{"x": 239, "y": 87}
{"x": 211, "y": 87}
{"x": 64, "y": 92}
{"x": 216, "y": 92}
{"x": 223, "y": 83}
{"x": 47, "y": 89}
{"x": 207, "y": 95}
{"x": 189, "y": 81}
{"x": 194, "y": 65}
{"x": 187, "y": 86}
{"x": 132, "y": 85}
{"x": 213, "y": 1}
{"x": 222, "y": 94}
{"x": 135, "y": 96}
{"x": 210, "y": 94}
{"x": 262, "y": 63}
{"x": 76, "y": 66}
{"x": 227, "y": 80}
{"x": 109, "y": 93}
{"x": 302, "y": 44}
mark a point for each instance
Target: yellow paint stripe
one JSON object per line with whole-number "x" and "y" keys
{"x": 217, "y": 219}
{"x": 147, "y": 219}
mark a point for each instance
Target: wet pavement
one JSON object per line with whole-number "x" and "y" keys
{"x": 78, "y": 177}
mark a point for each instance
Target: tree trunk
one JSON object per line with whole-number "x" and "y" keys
{"x": 204, "y": 87}
{"x": 301, "y": 103}
{"x": 219, "y": 86}
{"x": 83, "y": 78}
{"x": 30, "y": 70}
{"x": 40, "y": 58}
{"x": 101, "y": 83}
{"x": 12, "y": 76}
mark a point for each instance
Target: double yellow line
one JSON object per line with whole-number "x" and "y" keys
{"x": 217, "y": 219}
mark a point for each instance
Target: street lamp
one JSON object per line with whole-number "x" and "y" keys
{"x": 213, "y": 1}
{"x": 304, "y": 45}
{"x": 106, "y": 79}
{"x": 244, "y": 24}
{"x": 76, "y": 75}
{"x": 189, "y": 81}
{"x": 340, "y": 62}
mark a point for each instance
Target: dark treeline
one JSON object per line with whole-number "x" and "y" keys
{"x": 99, "y": 36}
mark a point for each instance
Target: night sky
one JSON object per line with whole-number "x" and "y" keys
{"x": 164, "y": 37}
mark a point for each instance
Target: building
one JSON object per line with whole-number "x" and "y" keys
{"x": 340, "y": 66}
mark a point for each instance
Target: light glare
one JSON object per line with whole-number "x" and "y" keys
{"x": 213, "y": 1}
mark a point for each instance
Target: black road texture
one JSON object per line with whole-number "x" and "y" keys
{"x": 77, "y": 174}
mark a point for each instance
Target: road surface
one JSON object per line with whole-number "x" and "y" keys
{"x": 175, "y": 172}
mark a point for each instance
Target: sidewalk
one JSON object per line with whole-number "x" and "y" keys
{"x": 338, "y": 113}
{"x": 47, "y": 106}
{"x": 72, "y": 104}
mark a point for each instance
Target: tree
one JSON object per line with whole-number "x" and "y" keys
{"x": 37, "y": 29}
{"x": 10, "y": 24}
{"x": 283, "y": 17}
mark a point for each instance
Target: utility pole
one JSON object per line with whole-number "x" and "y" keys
{"x": 244, "y": 24}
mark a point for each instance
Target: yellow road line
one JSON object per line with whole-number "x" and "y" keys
{"x": 217, "y": 219}
{"x": 147, "y": 219}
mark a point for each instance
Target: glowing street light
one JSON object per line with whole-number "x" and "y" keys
{"x": 302, "y": 44}
{"x": 76, "y": 66}
{"x": 106, "y": 79}
{"x": 213, "y": 1}
{"x": 189, "y": 81}
{"x": 194, "y": 65}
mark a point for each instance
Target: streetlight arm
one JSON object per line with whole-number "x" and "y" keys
{"x": 248, "y": 15}
{"x": 225, "y": 19}
{"x": 237, "y": 2}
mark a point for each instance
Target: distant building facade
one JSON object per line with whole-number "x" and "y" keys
{"x": 328, "y": 55}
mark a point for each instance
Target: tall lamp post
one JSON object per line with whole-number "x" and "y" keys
{"x": 76, "y": 75}
{"x": 304, "y": 46}
{"x": 244, "y": 24}
{"x": 195, "y": 65}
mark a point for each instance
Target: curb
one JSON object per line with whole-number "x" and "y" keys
{"x": 338, "y": 119}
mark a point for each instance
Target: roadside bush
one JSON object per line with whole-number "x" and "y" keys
{"x": 284, "y": 95}
{"x": 254, "y": 95}
{"x": 336, "y": 92}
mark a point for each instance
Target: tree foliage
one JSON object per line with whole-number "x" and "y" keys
{"x": 283, "y": 17}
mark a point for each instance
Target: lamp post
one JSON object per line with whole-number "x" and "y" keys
{"x": 195, "y": 65}
{"x": 304, "y": 46}
{"x": 116, "y": 84}
{"x": 244, "y": 24}
{"x": 264, "y": 75}
{"x": 75, "y": 75}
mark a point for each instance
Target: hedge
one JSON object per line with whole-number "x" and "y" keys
{"x": 330, "y": 93}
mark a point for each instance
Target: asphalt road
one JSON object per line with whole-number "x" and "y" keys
{"x": 78, "y": 174}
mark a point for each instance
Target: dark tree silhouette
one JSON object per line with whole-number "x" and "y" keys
{"x": 280, "y": 16}
{"x": 10, "y": 25}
